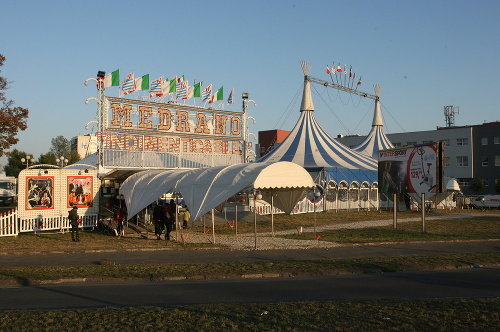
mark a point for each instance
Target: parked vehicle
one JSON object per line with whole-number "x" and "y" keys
{"x": 7, "y": 190}
{"x": 487, "y": 202}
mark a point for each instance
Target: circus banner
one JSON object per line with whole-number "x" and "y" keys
{"x": 39, "y": 193}
{"x": 80, "y": 191}
{"x": 416, "y": 169}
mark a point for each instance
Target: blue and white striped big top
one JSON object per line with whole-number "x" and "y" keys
{"x": 374, "y": 142}
{"x": 310, "y": 146}
{"x": 376, "y": 139}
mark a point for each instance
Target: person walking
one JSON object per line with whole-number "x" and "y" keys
{"x": 158, "y": 220}
{"x": 167, "y": 221}
{"x": 73, "y": 220}
{"x": 120, "y": 216}
{"x": 185, "y": 218}
{"x": 173, "y": 214}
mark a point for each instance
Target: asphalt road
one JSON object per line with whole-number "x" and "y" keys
{"x": 210, "y": 256}
{"x": 467, "y": 283}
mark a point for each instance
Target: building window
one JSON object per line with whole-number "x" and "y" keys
{"x": 411, "y": 143}
{"x": 462, "y": 161}
{"x": 484, "y": 141}
{"x": 396, "y": 145}
{"x": 484, "y": 161}
{"x": 463, "y": 182}
{"x": 496, "y": 140}
{"x": 446, "y": 142}
{"x": 497, "y": 160}
{"x": 462, "y": 141}
{"x": 446, "y": 161}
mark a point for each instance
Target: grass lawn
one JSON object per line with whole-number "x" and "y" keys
{"x": 404, "y": 315}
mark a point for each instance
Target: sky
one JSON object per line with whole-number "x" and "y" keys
{"x": 425, "y": 54}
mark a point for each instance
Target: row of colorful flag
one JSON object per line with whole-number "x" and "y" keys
{"x": 352, "y": 75}
{"x": 177, "y": 87}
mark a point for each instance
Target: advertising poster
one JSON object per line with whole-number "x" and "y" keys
{"x": 410, "y": 170}
{"x": 39, "y": 193}
{"x": 80, "y": 191}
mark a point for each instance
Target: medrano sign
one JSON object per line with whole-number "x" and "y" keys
{"x": 174, "y": 120}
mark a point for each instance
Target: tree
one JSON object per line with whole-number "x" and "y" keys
{"x": 14, "y": 163}
{"x": 61, "y": 147}
{"x": 497, "y": 185}
{"x": 12, "y": 119}
{"x": 477, "y": 185}
{"x": 47, "y": 158}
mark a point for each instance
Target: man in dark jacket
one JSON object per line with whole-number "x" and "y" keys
{"x": 159, "y": 220}
{"x": 73, "y": 220}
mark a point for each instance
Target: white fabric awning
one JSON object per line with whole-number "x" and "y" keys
{"x": 205, "y": 188}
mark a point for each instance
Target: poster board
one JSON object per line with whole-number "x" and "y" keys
{"x": 411, "y": 169}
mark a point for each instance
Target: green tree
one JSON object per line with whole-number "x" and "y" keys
{"x": 14, "y": 163}
{"x": 12, "y": 119}
{"x": 47, "y": 158}
{"x": 61, "y": 147}
{"x": 477, "y": 185}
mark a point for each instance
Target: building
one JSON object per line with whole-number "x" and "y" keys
{"x": 472, "y": 153}
{"x": 268, "y": 140}
{"x": 84, "y": 145}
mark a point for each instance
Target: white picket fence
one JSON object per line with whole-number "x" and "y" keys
{"x": 11, "y": 225}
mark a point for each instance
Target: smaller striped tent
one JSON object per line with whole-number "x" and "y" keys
{"x": 376, "y": 140}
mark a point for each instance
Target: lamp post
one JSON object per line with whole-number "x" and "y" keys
{"x": 28, "y": 160}
{"x": 244, "y": 96}
{"x": 61, "y": 160}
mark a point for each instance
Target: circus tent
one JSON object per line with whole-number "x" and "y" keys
{"x": 376, "y": 140}
{"x": 311, "y": 147}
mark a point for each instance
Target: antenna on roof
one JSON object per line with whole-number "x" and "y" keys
{"x": 377, "y": 88}
{"x": 306, "y": 66}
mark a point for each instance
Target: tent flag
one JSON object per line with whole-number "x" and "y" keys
{"x": 328, "y": 70}
{"x": 182, "y": 89}
{"x": 112, "y": 79}
{"x": 156, "y": 88}
{"x": 197, "y": 89}
{"x": 219, "y": 95}
{"x": 128, "y": 85}
{"x": 173, "y": 85}
{"x": 206, "y": 93}
{"x": 142, "y": 83}
{"x": 230, "y": 99}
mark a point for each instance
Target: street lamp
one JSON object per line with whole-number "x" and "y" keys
{"x": 244, "y": 96}
{"x": 62, "y": 161}
{"x": 29, "y": 159}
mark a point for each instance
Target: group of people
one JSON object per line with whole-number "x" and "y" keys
{"x": 164, "y": 217}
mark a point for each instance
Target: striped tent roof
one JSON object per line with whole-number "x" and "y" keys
{"x": 310, "y": 146}
{"x": 376, "y": 140}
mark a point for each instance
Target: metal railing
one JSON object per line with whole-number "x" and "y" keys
{"x": 11, "y": 225}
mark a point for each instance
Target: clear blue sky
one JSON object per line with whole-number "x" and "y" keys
{"x": 425, "y": 54}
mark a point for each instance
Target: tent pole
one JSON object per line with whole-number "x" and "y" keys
{"x": 272, "y": 212}
{"x": 213, "y": 226}
{"x": 255, "y": 217}
{"x": 236, "y": 215}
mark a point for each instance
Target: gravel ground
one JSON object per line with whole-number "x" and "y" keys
{"x": 267, "y": 241}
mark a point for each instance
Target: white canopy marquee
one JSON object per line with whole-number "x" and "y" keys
{"x": 205, "y": 188}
